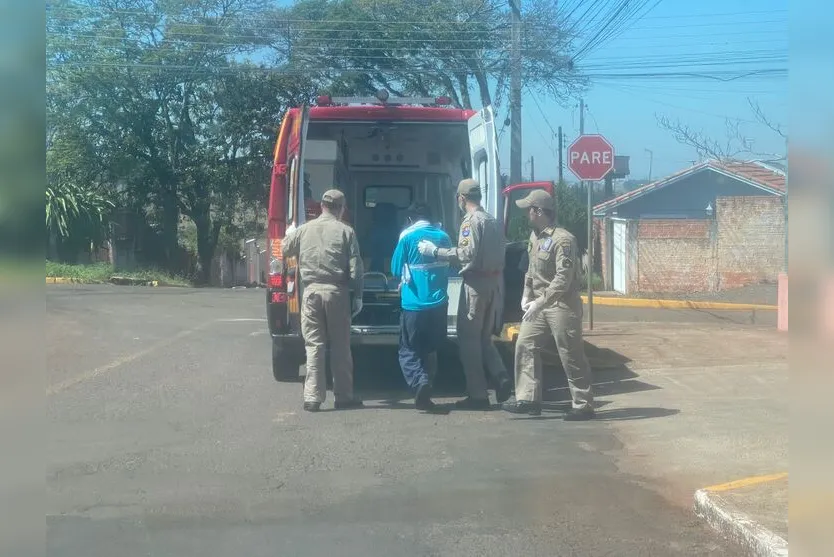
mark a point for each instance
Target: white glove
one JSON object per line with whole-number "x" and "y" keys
{"x": 525, "y": 303}
{"x": 357, "y": 307}
{"x": 290, "y": 228}
{"x": 531, "y": 311}
{"x": 426, "y": 248}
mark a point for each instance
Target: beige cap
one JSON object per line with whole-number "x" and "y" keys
{"x": 536, "y": 198}
{"x": 469, "y": 187}
{"x": 334, "y": 197}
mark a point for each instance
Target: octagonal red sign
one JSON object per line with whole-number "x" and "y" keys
{"x": 591, "y": 157}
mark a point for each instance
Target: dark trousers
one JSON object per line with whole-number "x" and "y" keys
{"x": 421, "y": 335}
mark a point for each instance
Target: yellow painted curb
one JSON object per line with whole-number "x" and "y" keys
{"x": 675, "y": 304}
{"x": 746, "y": 482}
{"x": 62, "y": 280}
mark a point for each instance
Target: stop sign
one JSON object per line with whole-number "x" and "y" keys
{"x": 591, "y": 157}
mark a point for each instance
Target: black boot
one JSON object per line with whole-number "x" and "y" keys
{"x": 504, "y": 390}
{"x": 423, "y": 402}
{"x": 312, "y": 406}
{"x": 422, "y": 399}
{"x": 523, "y": 407}
{"x": 348, "y": 404}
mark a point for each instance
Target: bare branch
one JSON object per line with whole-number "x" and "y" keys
{"x": 764, "y": 120}
{"x": 705, "y": 146}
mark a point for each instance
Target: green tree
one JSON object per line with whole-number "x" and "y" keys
{"x": 571, "y": 214}
{"x": 163, "y": 93}
{"x": 436, "y": 47}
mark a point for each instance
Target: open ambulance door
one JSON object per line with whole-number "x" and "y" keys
{"x": 517, "y": 232}
{"x": 295, "y": 208}
{"x": 483, "y": 145}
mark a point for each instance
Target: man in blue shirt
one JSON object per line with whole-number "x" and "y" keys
{"x": 423, "y": 283}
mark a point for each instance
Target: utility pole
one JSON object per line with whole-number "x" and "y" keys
{"x": 561, "y": 170}
{"x": 590, "y": 251}
{"x": 651, "y": 161}
{"x": 785, "y": 203}
{"x": 532, "y": 169}
{"x": 515, "y": 94}
{"x": 590, "y": 186}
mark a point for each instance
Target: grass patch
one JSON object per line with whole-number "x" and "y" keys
{"x": 102, "y": 272}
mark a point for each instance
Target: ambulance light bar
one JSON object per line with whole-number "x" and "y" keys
{"x": 384, "y": 99}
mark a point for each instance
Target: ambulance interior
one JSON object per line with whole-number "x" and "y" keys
{"x": 382, "y": 168}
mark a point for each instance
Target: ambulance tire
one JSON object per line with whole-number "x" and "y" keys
{"x": 287, "y": 363}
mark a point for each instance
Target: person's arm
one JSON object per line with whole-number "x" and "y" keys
{"x": 355, "y": 260}
{"x": 564, "y": 253}
{"x": 397, "y": 259}
{"x": 290, "y": 244}
{"x": 528, "y": 275}
{"x": 468, "y": 241}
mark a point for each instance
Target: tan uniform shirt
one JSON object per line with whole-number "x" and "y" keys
{"x": 481, "y": 245}
{"x": 327, "y": 251}
{"x": 553, "y": 274}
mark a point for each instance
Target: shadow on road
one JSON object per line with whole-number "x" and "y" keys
{"x": 378, "y": 378}
{"x": 627, "y": 414}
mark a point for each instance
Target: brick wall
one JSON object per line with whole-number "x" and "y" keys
{"x": 672, "y": 256}
{"x": 751, "y": 240}
{"x": 743, "y": 245}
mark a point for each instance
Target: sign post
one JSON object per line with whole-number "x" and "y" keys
{"x": 590, "y": 158}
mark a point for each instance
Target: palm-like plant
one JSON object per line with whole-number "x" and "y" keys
{"x": 69, "y": 206}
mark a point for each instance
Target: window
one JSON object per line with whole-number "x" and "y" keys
{"x": 398, "y": 196}
{"x": 517, "y": 223}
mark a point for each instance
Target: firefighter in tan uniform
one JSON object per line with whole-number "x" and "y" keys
{"x": 330, "y": 269}
{"x": 480, "y": 252}
{"x": 552, "y": 308}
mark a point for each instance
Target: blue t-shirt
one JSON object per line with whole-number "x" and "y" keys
{"x": 424, "y": 280}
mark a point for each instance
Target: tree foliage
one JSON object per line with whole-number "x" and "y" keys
{"x": 162, "y": 93}
{"x": 437, "y": 47}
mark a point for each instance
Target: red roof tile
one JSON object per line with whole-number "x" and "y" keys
{"x": 755, "y": 172}
{"x": 750, "y": 171}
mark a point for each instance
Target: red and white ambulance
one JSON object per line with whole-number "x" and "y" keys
{"x": 384, "y": 153}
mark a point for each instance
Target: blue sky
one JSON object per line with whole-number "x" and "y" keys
{"x": 739, "y": 35}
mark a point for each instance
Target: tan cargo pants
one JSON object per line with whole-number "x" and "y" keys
{"x": 479, "y": 312}
{"x": 565, "y": 326}
{"x": 325, "y": 323}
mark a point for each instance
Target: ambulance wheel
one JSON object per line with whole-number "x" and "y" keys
{"x": 286, "y": 362}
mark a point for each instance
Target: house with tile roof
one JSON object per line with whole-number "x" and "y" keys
{"x": 712, "y": 226}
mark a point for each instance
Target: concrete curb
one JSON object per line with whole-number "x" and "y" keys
{"x": 737, "y": 526}
{"x": 676, "y": 304}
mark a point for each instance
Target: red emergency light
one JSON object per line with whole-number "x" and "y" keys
{"x": 443, "y": 101}
{"x": 324, "y": 100}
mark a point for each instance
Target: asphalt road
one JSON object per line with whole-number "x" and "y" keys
{"x": 168, "y": 436}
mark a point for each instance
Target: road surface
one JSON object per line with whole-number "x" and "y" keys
{"x": 168, "y": 436}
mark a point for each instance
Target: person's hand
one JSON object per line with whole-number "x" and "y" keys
{"x": 426, "y": 248}
{"x": 357, "y": 307}
{"x": 290, "y": 228}
{"x": 525, "y": 302}
{"x": 532, "y": 310}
